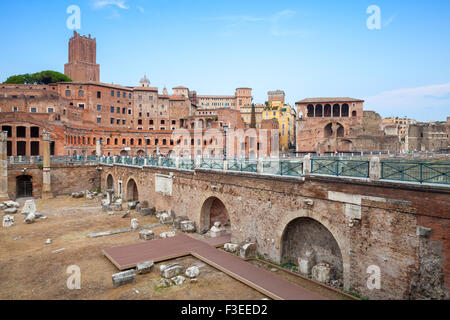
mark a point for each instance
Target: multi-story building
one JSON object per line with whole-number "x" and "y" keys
{"x": 277, "y": 109}
{"x": 246, "y": 113}
{"x": 126, "y": 120}
{"x": 402, "y": 125}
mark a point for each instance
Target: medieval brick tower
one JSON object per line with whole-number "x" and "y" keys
{"x": 82, "y": 64}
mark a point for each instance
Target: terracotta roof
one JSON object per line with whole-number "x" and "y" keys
{"x": 325, "y": 100}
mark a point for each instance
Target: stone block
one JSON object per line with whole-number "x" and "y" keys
{"x": 30, "y": 218}
{"x": 10, "y": 211}
{"x": 122, "y": 278}
{"x": 8, "y": 221}
{"x": 78, "y": 195}
{"x": 188, "y": 226}
{"x": 179, "y": 280}
{"x": 134, "y": 224}
{"x": 217, "y": 231}
{"x": 192, "y": 272}
{"x": 166, "y": 218}
{"x": 144, "y": 267}
{"x": 231, "y": 247}
{"x": 177, "y": 222}
{"x": 165, "y": 235}
{"x": 164, "y": 283}
{"x": 171, "y": 271}
{"x": 147, "y": 211}
{"x": 2, "y": 206}
{"x": 322, "y": 273}
{"x": 11, "y": 204}
{"x": 146, "y": 235}
{"x": 29, "y": 207}
{"x": 248, "y": 250}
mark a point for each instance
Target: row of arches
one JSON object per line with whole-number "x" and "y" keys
{"x": 328, "y": 111}
{"x": 301, "y": 235}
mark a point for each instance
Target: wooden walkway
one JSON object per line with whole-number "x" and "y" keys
{"x": 127, "y": 257}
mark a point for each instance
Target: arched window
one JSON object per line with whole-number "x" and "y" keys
{"x": 132, "y": 142}
{"x": 319, "y": 111}
{"x": 327, "y": 111}
{"x": 345, "y": 110}
{"x": 124, "y": 141}
{"x": 108, "y": 141}
{"x": 116, "y": 141}
{"x": 337, "y": 111}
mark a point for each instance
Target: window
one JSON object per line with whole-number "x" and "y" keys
{"x": 118, "y": 110}
{"x": 68, "y": 93}
{"x": 99, "y": 108}
{"x": 129, "y": 95}
{"x": 124, "y": 122}
{"x": 118, "y": 94}
{"x": 151, "y": 122}
{"x": 33, "y": 110}
{"x": 81, "y": 94}
{"x": 118, "y": 121}
{"x": 112, "y": 109}
{"x": 99, "y": 94}
{"x": 129, "y": 111}
{"x": 81, "y": 105}
{"x": 174, "y": 122}
{"x": 112, "y": 120}
{"x": 112, "y": 93}
{"x": 124, "y": 111}
{"x": 163, "y": 122}
{"x": 99, "y": 120}
{"x": 140, "y": 122}
{"x": 124, "y": 95}
{"x": 50, "y": 110}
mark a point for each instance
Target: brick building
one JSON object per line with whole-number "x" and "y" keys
{"x": 127, "y": 120}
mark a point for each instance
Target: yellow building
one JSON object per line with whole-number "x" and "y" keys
{"x": 402, "y": 124}
{"x": 277, "y": 109}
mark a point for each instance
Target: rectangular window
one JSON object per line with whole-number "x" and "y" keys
{"x": 112, "y": 120}
{"x": 50, "y": 110}
{"x": 81, "y": 105}
{"x": 129, "y": 111}
{"x": 118, "y": 110}
{"x": 118, "y": 121}
{"x": 33, "y": 110}
{"x": 99, "y": 108}
{"x": 129, "y": 95}
{"x": 124, "y": 95}
{"x": 68, "y": 93}
{"x": 112, "y": 109}
{"x": 99, "y": 94}
{"x": 118, "y": 94}
{"x": 124, "y": 122}
{"x": 112, "y": 93}
{"x": 99, "y": 120}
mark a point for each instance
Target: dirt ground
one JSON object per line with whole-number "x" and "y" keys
{"x": 32, "y": 269}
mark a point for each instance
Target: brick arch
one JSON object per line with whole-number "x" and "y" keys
{"x": 36, "y": 180}
{"x": 220, "y": 212}
{"x": 131, "y": 192}
{"x": 342, "y": 241}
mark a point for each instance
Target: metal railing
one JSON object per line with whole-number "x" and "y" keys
{"x": 213, "y": 164}
{"x": 412, "y": 171}
{"x": 429, "y": 171}
{"x": 243, "y": 165}
{"x": 340, "y": 167}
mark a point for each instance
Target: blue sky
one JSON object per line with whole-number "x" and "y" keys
{"x": 311, "y": 48}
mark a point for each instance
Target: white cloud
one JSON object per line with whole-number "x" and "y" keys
{"x": 423, "y": 103}
{"x": 274, "y": 22}
{"x": 141, "y": 10}
{"x": 99, "y": 4}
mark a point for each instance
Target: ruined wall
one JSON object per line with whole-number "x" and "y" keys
{"x": 261, "y": 207}
{"x": 64, "y": 179}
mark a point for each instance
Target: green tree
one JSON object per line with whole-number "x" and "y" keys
{"x": 43, "y": 77}
{"x": 253, "y": 121}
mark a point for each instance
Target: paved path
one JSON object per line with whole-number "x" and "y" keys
{"x": 127, "y": 257}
